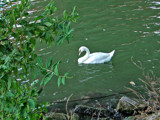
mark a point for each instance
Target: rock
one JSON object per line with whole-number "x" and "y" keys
{"x": 144, "y": 117}
{"x": 55, "y": 116}
{"x": 91, "y": 111}
{"x": 117, "y": 116}
{"x": 60, "y": 116}
{"x": 130, "y": 118}
{"x": 75, "y": 116}
{"x": 128, "y": 106}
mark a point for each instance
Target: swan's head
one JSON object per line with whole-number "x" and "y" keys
{"x": 81, "y": 49}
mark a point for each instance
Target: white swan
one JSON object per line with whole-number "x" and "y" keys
{"x": 97, "y": 57}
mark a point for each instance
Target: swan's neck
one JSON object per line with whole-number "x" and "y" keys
{"x": 85, "y": 57}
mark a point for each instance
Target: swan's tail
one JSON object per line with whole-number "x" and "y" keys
{"x": 112, "y": 53}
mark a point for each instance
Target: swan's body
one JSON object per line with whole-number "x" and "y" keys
{"x": 94, "y": 58}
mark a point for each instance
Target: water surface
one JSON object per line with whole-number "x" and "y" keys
{"x": 131, "y": 27}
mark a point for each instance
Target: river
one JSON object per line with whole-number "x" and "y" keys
{"x": 130, "y": 27}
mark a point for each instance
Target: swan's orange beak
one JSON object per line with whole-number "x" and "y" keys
{"x": 79, "y": 52}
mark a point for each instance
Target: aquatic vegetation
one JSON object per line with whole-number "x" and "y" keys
{"x": 20, "y": 66}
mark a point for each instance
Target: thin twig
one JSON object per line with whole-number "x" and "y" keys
{"x": 136, "y": 93}
{"x": 67, "y": 106}
{"x": 138, "y": 66}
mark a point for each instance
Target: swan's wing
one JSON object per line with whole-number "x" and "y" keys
{"x": 100, "y": 55}
{"x": 97, "y": 57}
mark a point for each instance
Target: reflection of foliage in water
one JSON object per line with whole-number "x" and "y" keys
{"x": 20, "y": 65}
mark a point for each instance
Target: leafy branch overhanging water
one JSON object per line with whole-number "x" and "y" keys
{"x": 19, "y": 61}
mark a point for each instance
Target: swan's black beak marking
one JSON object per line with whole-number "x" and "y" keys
{"x": 79, "y": 52}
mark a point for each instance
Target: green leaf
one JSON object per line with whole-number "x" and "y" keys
{"x": 39, "y": 61}
{"x": 15, "y": 71}
{"x": 31, "y": 103}
{"x": 7, "y": 59}
{"x": 34, "y": 93}
{"x": 21, "y": 105}
{"x": 48, "y": 79}
{"x": 59, "y": 81}
{"x": 9, "y": 83}
{"x": 63, "y": 80}
{"x": 9, "y": 94}
{"x": 41, "y": 28}
{"x": 66, "y": 74}
{"x": 33, "y": 41}
{"x": 24, "y": 68}
{"x": 49, "y": 62}
{"x": 48, "y": 24}
{"x": 2, "y": 75}
{"x": 52, "y": 66}
{"x": 44, "y": 78}
{"x": 70, "y": 31}
{"x": 65, "y": 14}
{"x": 35, "y": 74}
{"x": 56, "y": 69}
{"x": 72, "y": 14}
{"x": 68, "y": 26}
{"x": 38, "y": 18}
{"x": 42, "y": 81}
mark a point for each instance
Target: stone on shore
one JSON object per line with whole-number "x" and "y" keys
{"x": 128, "y": 106}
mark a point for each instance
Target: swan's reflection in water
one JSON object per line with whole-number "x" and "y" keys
{"x": 94, "y": 71}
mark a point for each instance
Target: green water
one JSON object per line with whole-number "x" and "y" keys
{"x": 131, "y": 27}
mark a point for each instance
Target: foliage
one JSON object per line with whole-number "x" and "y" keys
{"x": 19, "y": 90}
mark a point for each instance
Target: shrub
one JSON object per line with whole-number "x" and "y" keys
{"x": 19, "y": 90}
